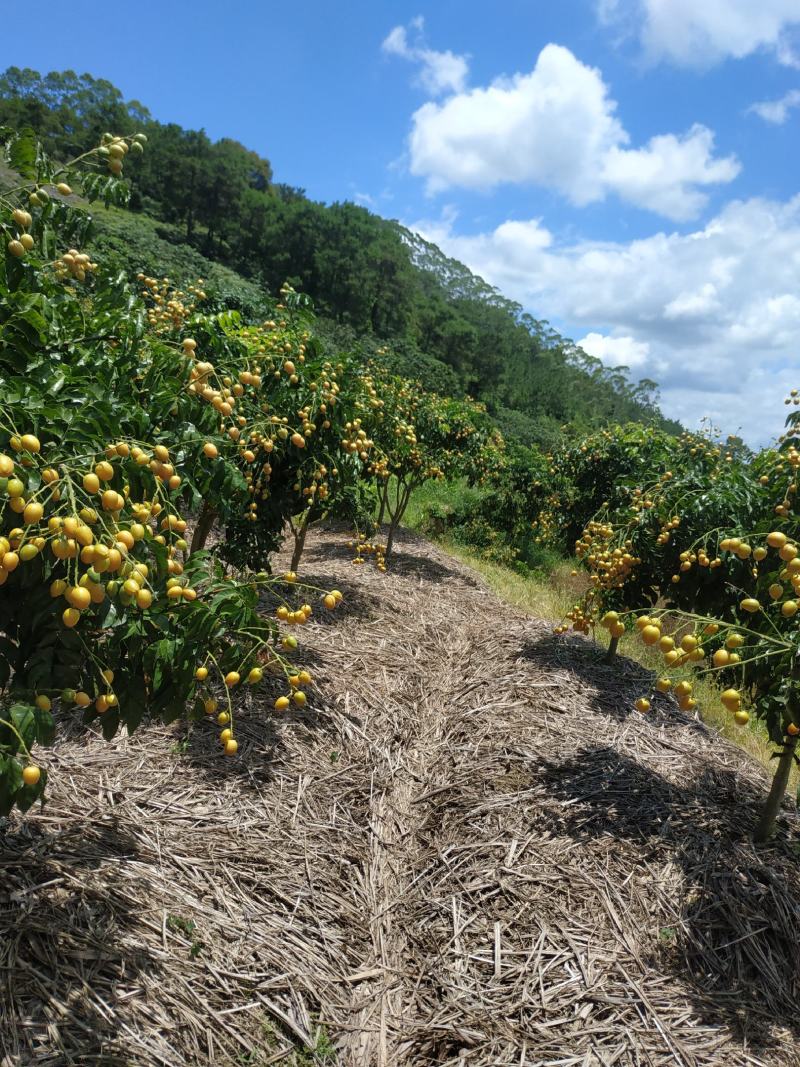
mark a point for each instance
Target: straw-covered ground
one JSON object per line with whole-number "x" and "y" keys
{"x": 466, "y": 851}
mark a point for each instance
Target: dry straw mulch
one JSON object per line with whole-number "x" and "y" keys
{"x": 469, "y": 851}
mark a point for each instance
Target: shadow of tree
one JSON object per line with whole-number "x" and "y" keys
{"x": 614, "y": 686}
{"x": 736, "y": 944}
{"x": 68, "y": 943}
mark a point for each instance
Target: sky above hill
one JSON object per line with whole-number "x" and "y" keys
{"x": 626, "y": 169}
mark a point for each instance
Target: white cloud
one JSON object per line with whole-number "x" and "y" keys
{"x": 439, "y": 72}
{"x": 777, "y": 111}
{"x": 713, "y": 315}
{"x": 702, "y": 32}
{"x": 616, "y": 351}
{"x": 557, "y": 127}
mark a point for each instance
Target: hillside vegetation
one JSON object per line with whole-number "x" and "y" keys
{"x": 366, "y": 274}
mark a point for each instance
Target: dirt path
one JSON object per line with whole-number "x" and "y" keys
{"x": 467, "y": 852}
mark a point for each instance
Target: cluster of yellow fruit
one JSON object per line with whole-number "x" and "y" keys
{"x": 363, "y": 548}
{"x": 168, "y": 308}
{"x": 609, "y": 567}
{"x": 687, "y": 650}
{"x": 115, "y": 149}
{"x": 74, "y": 264}
{"x": 23, "y": 242}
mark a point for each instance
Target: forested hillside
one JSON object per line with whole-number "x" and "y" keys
{"x": 204, "y": 205}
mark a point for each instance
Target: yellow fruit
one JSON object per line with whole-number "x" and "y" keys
{"x": 689, "y": 643}
{"x": 83, "y": 700}
{"x": 732, "y": 699}
{"x": 683, "y": 689}
{"x": 663, "y": 685}
{"x": 78, "y": 597}
{"x": 70, "y": 617}
{"x": 201, "y": 673}
{"x": 33, "y": 512}
{"x": 330, "y": 602}
{"x": 43, "y": 702}
{"x": 734, "y": 641}
{"x": 789, "y": 608}
{"x": 776, "y": 539}
{"x": 750, "y": 604}
{"x": 290, "y": 576}
{"x": 104, "y": 471}
{"x": 282, "y": 703}
{"x": 210, "y": 705}
{"x": 671, "y": 657}
{"x": 231, "y": 747}
{"x": 30, "y": 442}
{"x": 642, "y": 704}
{"x": 223, "y": 718}
{"x": 255, "y": 676}
{"x": 232, "y": 678}
{"x": 58, "y": 587}
{"x": 6, "y": 466}
{"x": 225, "y": 735}
{"x": 210, "y": 450}
{"x": 776, "y": 591}
{"x": 721, "y": 658}
{"x": 741, "y": 718}
{"x": 645, "y": 620}
{"x": 64, "y": 189}
{"x": 299, "y": 698}
{"x": 31, "y": 774}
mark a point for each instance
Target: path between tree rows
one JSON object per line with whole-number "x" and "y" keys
{"x": 468, "y": 851}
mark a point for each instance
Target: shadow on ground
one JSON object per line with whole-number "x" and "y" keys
{"x": 736, "y": 947}
{"x": 615, "y": 686}
{"x": 62, "y": 936}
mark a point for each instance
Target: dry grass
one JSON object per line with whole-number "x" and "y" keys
{"x": 467, "y": 853}
{"x": 551, "y": 597}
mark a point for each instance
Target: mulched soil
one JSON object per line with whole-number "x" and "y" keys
{"x": 468, "y": 850}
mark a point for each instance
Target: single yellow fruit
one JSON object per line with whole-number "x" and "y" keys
{"x": 210, "y": 450}
{"x": 642, "y": 704}
{"x": 732, "y": 699}
{"x": 33, "y": 512}
{"x": 201, "y": 673}
{"x": 776, "y": 539}
{"x": 42, "y": 702}
{"x": 70, "y": 617}
{"x": 231, "y": 747}
{"x": 750, "y": 604}
{"x": 255, "y": 676}
{"x": 663, "y": 685}
{"x": 232, "y": 678}
{"x": 31, "y": 774}
{"x": 225, "y": 735}
{"x": 741, "y": 718}
{"x": 282, "y": 703}
{"x": 83, "y": 700}
{"x": 789, "y": 608}
{"x": 721, "y": 658}
{"x": 330, "y": 602}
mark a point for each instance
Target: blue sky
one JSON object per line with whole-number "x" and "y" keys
{"x": 626, "y": 169}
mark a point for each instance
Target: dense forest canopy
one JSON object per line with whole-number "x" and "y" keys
{"x": 373, "y": 279}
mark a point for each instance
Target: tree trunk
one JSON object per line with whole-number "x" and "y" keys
{"x": 384, "y": 494}
{"x": 769, "y": 814}
{"x": 299, "y": 541}
{"x": 611, "y": 652}
{"x": 205, "y": 522}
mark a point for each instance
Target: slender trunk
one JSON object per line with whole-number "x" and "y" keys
{"x": 205, "y": 522}
{"x": 299, "y": 541}
{"x": 611, "y": 652}
{"x": 769, "y": 814}
{"x": 384, "y": 494}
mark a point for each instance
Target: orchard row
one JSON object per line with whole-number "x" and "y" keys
{"x": 155, "y": 448}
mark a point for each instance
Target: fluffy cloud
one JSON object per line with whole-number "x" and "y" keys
{"x": 702, "y": 32}
{"x": 713, "y": 315}
{"x": 439, "y": 72}
{"x": 482, "y": 137}
{"x": 777, "y": 111}
{"x": 616, "y": 351}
